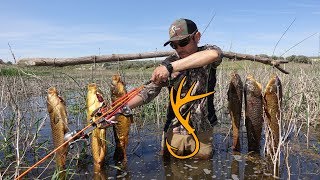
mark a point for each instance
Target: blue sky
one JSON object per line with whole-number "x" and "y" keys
{"x": 73, "y": 28}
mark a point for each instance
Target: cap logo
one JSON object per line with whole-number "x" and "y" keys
{"x": 173, "y": 30}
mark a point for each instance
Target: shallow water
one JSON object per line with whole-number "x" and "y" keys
{"x": 144, "y": 162}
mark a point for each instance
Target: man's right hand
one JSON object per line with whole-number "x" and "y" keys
{"x": 160, "y": 75}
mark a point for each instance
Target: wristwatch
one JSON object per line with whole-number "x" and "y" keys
{"x": 168, "y": 65}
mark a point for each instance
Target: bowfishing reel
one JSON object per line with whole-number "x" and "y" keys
{"x": 105, "y": 123}
{"x": 70, "y": 135}
{"x": 126, "y": 110}
{"x": 73, "y": 135}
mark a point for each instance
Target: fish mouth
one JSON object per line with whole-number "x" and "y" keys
{"x": 52, "y": 90}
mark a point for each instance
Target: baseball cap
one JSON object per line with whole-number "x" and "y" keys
{"x": 181, "y": 29}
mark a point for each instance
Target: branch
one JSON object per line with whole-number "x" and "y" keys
{"x": 124, "y": 57}
{"x": 264, "y": 60}
{"x": 90, "y": 59}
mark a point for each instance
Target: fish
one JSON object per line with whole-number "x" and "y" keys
{"x": 235, "y": 94}
{"x": 272, "y": 104}
{"x": 98, "y": 138}
{"x": 253, "y": 113}
{"x": 122, "y": 128}
{"x": 59, "y": 125}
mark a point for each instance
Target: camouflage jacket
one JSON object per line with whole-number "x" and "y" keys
{"x": 205, "y": 78}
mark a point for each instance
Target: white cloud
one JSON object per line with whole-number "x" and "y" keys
{"x": 304, "y": 4}
{"x": 44, "y": 39}
{"x": 263, "y": 12}
{"x": 237, "y": 19}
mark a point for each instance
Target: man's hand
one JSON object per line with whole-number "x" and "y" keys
{"x": 107, "y": 123}
{"x": 160, "y": 74}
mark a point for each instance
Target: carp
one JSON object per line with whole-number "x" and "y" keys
{"x": 58, "y": 120}
{"x": 122, "y": 127}
{"x": 235, "y": 93}
{"x": 98, "y": 138}
{"x": 272, "y": 104}
{"x": 253, "y": 113}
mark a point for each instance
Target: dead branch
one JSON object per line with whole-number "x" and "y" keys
{"x": 90, "y": 59}
{"x": 124, "y": 57}
{"x": 264, "y": 60}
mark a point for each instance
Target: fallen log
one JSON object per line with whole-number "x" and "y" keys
{"x": 145, "y": 55}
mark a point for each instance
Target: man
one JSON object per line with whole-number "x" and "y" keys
{"x": 198, "y": 64}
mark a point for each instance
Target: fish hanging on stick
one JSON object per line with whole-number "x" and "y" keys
{"x": 272, "y": 105}
{"x": 58, "y": 120}
{"x": 122, "y": 127}
{"x": 98, "y": 139}
{"x": 253, "y": 113}
{"x": 235, "y": 94}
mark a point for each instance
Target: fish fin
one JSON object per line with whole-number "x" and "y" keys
{"x": 56, "y": 120}
{"x": 61, "y": 100}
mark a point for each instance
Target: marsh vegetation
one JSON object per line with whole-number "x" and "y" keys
{"x": 25, "y": 134}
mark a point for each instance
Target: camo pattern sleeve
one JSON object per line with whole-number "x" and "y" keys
{"x": 150, "y": 91}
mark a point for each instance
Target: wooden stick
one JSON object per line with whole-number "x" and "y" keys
{"x": 264, "y": 60}
{"x": 90, "y": 59}
{"x": 124, "y": 57}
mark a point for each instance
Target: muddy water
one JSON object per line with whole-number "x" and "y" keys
{"x": 144, "y": 162}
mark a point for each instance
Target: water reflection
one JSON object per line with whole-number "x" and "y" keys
{"x": 235, "y": 165}
{"x": 187, "y": 169}
{"x": 144, "y": 162}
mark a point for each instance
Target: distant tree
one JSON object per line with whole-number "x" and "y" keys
{"x": 263, "y": 55}
{"x": 1, "y": 61}
{"x": 299, "y": 59}
{"x": 303, "y": 59}
{"x": 274, "y": 57}
{"x": 291, "y": 58}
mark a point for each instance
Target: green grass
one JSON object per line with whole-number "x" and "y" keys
{"x": 12, "y": 70}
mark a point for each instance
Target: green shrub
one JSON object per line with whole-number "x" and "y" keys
{"x": 9, "y": 72}
{"x": 299, "y": 59}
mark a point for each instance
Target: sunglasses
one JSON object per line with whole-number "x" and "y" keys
{"x": 182, "y": 42}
